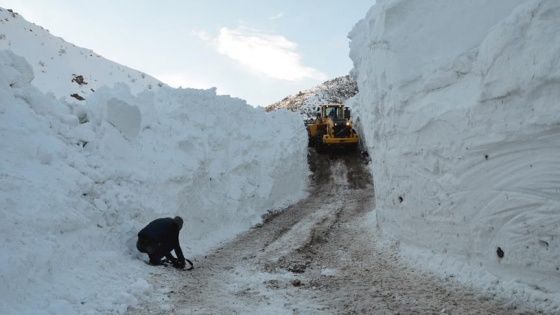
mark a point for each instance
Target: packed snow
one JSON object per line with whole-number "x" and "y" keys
{"x": 78, "y": 181}
{"x": 458, "y": 108}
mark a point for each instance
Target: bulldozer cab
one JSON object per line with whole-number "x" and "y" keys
{"x": 331, "y": 111}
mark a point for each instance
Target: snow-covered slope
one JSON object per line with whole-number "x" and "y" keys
{"x": 79, "y": 179}
{"x": 61, "y": 67}
{"x": 458, "y": 107}
{"x": 337, "y": 90}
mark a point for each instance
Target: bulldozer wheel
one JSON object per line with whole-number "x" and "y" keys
{"x": 353, "y": 147}
{"x": 319, "y": 146}
{"x": 310, "y": 139}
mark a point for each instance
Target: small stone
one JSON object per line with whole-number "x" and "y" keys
{"x": 500, "y": 252}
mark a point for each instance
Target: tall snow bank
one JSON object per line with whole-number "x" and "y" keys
{"x": 458, "y": 108}
{"x": 78, "y": 182}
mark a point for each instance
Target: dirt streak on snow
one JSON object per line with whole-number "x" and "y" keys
{"x": 318, "y": 256}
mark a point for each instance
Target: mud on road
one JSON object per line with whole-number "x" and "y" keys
{"x": 316, "y": 257}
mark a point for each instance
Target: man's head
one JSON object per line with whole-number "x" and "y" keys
{"x": 179, "y": 221}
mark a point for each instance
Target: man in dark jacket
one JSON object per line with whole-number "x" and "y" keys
{"x": 159, "y": 238}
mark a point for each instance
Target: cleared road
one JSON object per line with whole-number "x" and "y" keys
{"x": 315, "y": 257}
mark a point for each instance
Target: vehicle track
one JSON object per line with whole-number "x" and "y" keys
{"x": 317, "y": 256}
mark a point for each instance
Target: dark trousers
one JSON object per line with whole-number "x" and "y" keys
{"x": 154, "y": 249}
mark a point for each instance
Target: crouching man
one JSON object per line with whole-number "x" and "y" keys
{"x": 159, "y": 238}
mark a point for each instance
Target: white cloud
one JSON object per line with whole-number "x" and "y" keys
{"x": 267, "y": 54}
{"x": 277, "y": 16}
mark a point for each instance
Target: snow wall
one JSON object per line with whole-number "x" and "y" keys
{"x": 459, "y": 109}
{"x": 78, "y": 182}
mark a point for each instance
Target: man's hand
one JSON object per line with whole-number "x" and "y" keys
{"x": 179, "y": 263}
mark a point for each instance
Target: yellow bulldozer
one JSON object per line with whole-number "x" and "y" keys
{"x": 331, "y": 129}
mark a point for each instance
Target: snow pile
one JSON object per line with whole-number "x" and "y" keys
{"x": 337, "y": 90}
{"x": 77, "y": 182}
{"x": 458, "y": 107}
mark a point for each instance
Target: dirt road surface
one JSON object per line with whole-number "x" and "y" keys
{"x": 315, "y": 257}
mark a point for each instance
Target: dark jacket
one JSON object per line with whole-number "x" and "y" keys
{"x": 164, "y": 233}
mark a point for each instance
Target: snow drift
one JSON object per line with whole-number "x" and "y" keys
{"x": 78, "y": 181}
{"x": 458, "y": 107}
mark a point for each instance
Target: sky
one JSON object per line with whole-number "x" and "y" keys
{"x": 260, "y": 51}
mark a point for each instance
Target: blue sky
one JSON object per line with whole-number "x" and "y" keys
{"x": 260, "y": 51}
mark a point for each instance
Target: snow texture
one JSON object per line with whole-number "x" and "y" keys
{"x": 79, "y": 179}
{"x": 458, "y": 108}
